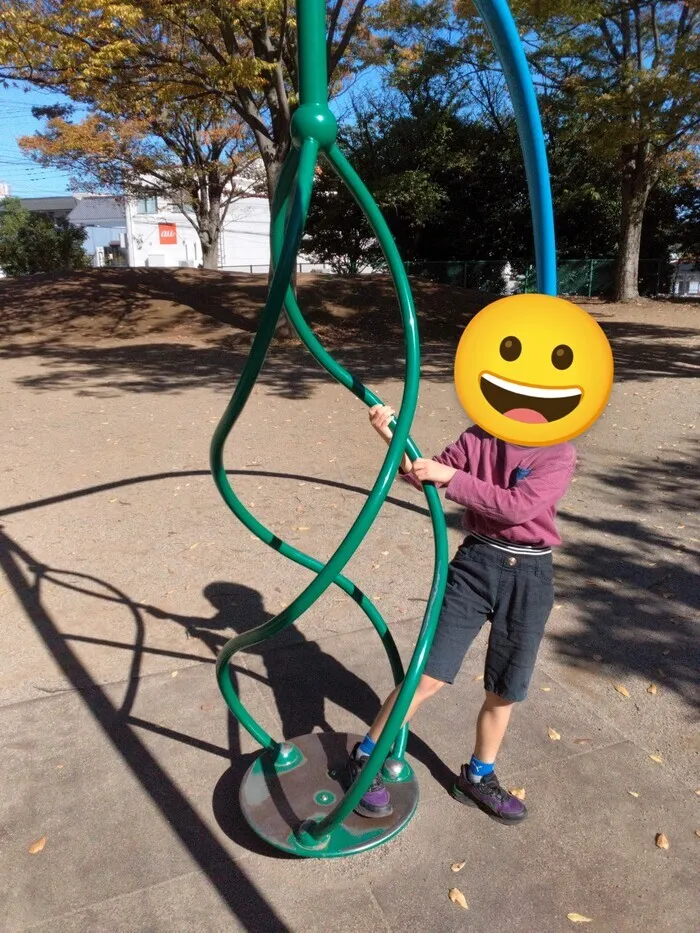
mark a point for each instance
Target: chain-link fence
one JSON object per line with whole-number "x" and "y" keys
{"x": 582, "y": 277}
{"x": 303, "y": 268}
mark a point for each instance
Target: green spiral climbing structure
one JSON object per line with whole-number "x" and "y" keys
{"x": 289, "y": 776}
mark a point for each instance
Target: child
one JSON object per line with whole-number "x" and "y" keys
{"x": 501, "y": 572}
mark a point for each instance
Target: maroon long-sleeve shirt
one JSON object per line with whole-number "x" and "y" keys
{"x": 509, "y": 492}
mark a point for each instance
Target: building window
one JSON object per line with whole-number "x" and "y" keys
{"x": 147, "y": 205}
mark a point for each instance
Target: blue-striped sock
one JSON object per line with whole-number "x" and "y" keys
{"x": 478, "y": 769}
{"x": 366, "y": 746}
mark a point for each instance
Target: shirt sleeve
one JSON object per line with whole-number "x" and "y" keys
{"x": 454, "y": 455}
{"x": 518, "y": 504}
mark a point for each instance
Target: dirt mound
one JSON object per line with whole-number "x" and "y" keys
{"x": 194, "y": 303}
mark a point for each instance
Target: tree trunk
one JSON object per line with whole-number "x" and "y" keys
{"x": 273, "y": 160}
{"x": 210, "y": 230}
{"x": 636, "y": 184}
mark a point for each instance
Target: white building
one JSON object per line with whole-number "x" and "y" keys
{"x": 151, "y": 232}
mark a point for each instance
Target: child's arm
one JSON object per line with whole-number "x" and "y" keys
{"x": 518, "y": 504}
{"x": 439, "y": 470}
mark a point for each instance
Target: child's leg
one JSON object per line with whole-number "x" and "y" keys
{"x": 518, "y": 622}
{"x": 491, "y": 725}
{"x": 427, "y": 687}
{"x": 465, "y": 608}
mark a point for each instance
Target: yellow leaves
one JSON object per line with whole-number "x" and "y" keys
{"x": 456, "y": 896}
{"x": 553, "y": 734}
{"x": 661, "y": 841}
{"x": 578, "y": 918}
{"x": 652, "y": 689}
{"x": 633, "y": 793}
{"x": 545, "y": 689}
{"x": 457, "y": 866}
{"x": 37, "y": 846}
{"x": 622, "y": 690}
{"x": 518, "y": 792}
{"x": 657, "y": 758}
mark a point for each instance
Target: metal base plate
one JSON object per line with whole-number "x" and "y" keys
{"x": 275, "y": 803}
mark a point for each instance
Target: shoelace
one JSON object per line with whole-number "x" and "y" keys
{"x": 494, "y": 789}
{"x": 377, "y": 781}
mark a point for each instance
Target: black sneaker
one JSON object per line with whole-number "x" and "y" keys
{"x": 376, "y": 801}
{"x": 489, "y": 796}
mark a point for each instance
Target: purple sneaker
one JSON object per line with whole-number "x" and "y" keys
{"x": 490, "y": 797}
{"x": 376, "y": 801}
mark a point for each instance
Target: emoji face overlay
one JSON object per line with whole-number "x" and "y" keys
{"x": 533, "y": 370}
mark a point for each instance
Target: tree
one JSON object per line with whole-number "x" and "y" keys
{"x": 240, "y": 54}
{"x": 631, "y": 69}
{"x": 453, "y": 188}
{"x": 31, "y": 243}
{"x": 190, "y": 153}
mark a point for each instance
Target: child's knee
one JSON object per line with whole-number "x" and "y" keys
{"x": 493, "y": 701}
{"x": 428, "y": 686}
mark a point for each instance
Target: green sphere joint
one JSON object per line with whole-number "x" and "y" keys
{"x": 314, "y": 121}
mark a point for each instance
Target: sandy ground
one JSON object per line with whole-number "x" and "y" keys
{"x": 122, "y": 568}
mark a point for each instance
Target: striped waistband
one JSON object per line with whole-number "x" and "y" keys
{"x": 509, "y": 547}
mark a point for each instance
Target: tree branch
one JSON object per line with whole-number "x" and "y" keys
{"x": 348, "y": 33}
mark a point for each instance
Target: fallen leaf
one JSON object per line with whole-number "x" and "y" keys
{"x": 456, "y": 896}
{"x": 207, "y": 706}
{"x": 174, "y": 674}
{"x": 651, "y": 689}
{"x": 478, "y": 677}
{"x": 661, "y": 841}
{"x": 518, "y": 792}
{"x": 193, "y": 546}
{"x": 623, "y": 691}
{"x": 301, "y": 528}
{"x": 545, "y": 689}
{"x": 457, "y": 866}
{"x": 657, "y": 758}
{"x": 633, "y": 793}
{"x": 37, "y": 846}
{"x": 582, "y": 741}
{"x": 697, "y": 833}
{"x": 698, "y": 791}
{"x": 553, "y": 734}
{"x": 59, "y": 767}
{"x": 578, "y": 918}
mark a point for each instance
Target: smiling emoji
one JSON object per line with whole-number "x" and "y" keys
{"x": 533, "y": 370}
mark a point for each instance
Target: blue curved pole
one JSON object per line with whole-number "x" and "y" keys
{"x": 504, "y": 35}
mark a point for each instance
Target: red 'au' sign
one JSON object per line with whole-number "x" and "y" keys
{"x": 168, "y": 234}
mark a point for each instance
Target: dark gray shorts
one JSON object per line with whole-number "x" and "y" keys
{"x": 514, "y": 592}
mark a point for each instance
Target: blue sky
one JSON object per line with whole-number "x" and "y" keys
{"x": 25, "y": 177}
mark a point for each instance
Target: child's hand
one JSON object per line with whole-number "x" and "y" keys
{"x": 379, "y": 418}
{"x": 429, "y": 471}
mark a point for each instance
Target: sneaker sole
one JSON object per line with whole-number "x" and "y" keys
{"x": 373, "y": 814}
{"x": 468, "y": 802}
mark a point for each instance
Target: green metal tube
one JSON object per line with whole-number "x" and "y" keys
{"x": 312, "y": 62}
{"x": 251, "y": 370}
{"x": 427, "y": 632}
{"x": 282, "y": 200}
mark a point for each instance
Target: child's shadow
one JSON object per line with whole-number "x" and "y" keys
{"x": 301, "y": 675}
